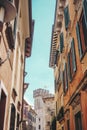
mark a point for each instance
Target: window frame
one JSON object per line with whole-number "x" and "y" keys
{"x": 71, "y": 59}
{"x": 81, "y": 32}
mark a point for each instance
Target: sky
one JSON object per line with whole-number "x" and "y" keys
{"x": 39, "y": 74}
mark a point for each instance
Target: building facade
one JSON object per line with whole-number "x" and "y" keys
{"x": 16, "y": 29}
{"x": 68, "y": 58}
{"x": 40, "y": 106}
{"x": 49, "y": 111}
{"x": 29, "y": 117}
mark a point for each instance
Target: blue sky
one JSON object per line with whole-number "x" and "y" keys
{"x": 37, "y": 66}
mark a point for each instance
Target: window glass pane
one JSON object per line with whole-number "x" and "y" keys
{"x": 78, "y": 122}
{"x": 85, "y": 10}
{"x": 68, "y": 124}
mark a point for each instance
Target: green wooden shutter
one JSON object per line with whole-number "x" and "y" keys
{"x": 73, "y": 55}
{"x": 79, "y": 40}
{"x": 67, "y": 17}
{"x": 61, "y": 42}
{"x": 85, "y": 10}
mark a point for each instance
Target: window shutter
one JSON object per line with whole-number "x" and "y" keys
{"x": 69, "y": 71}
{"x": 56, "y": 57}
{"x": 79, "y": 40}
{"x": 85, "y": 10}
{"x": 63, "y": 81}
{"x": 55, "y": 82}
{"x": 67, "y": 17}
{"x": 66, "y": 78}
{"x": 84, "y": 28}
{"x": 61, "y": 42}
{"x": 73, "y": 55}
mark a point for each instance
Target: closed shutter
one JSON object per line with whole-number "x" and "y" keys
{"x": 56, "y": 57}
{"x": 85, "y": 10}
{"x": 79, "y": 40}
{"x": 73, "y": 55}
{"x": 67, "y": 17}
{"x": 61, "y": 42}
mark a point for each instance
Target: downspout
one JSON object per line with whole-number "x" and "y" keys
{"x": 23, "y": 86}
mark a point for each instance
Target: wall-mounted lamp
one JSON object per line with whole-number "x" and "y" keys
{"x": 7, "y": 12}
{"x": 3, "y": 61}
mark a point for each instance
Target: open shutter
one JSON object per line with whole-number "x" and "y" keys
{"x": 66, "y": 78}
{"x": 61, "y": 42}
{"x": 79, "y": 40}
{"x": 73, "y": 55}
{"x": 85, "y": 10}
{"x": 69, "y": 70}
{"x": 67, "y": 17}
{"x": 63, "y": 83}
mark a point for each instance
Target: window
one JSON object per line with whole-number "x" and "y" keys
{"x": 56, "y": 57}
{"x": 2, "y": 109}
{"x": 48, "y": 123}
{"x": 71, "y": 61}
{"x": 85, "y": 10}
{"x": 78, "y": 122}
{"x": 62, "y": 128}
{"x": 12, "y": 118}
{"x": 17, "y": 123}
{"x": 61, "y": 42}
{"x": 81, "y": 31}
{"x": 9, "y": 36}
{"x": 67, "y": 17}
{"x": 68, "y": 124}
{"x": 10, "y": 0}
{"x": 39, "y": 127}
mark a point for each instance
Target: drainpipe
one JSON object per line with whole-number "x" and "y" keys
{"x": 23, "y": 86}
